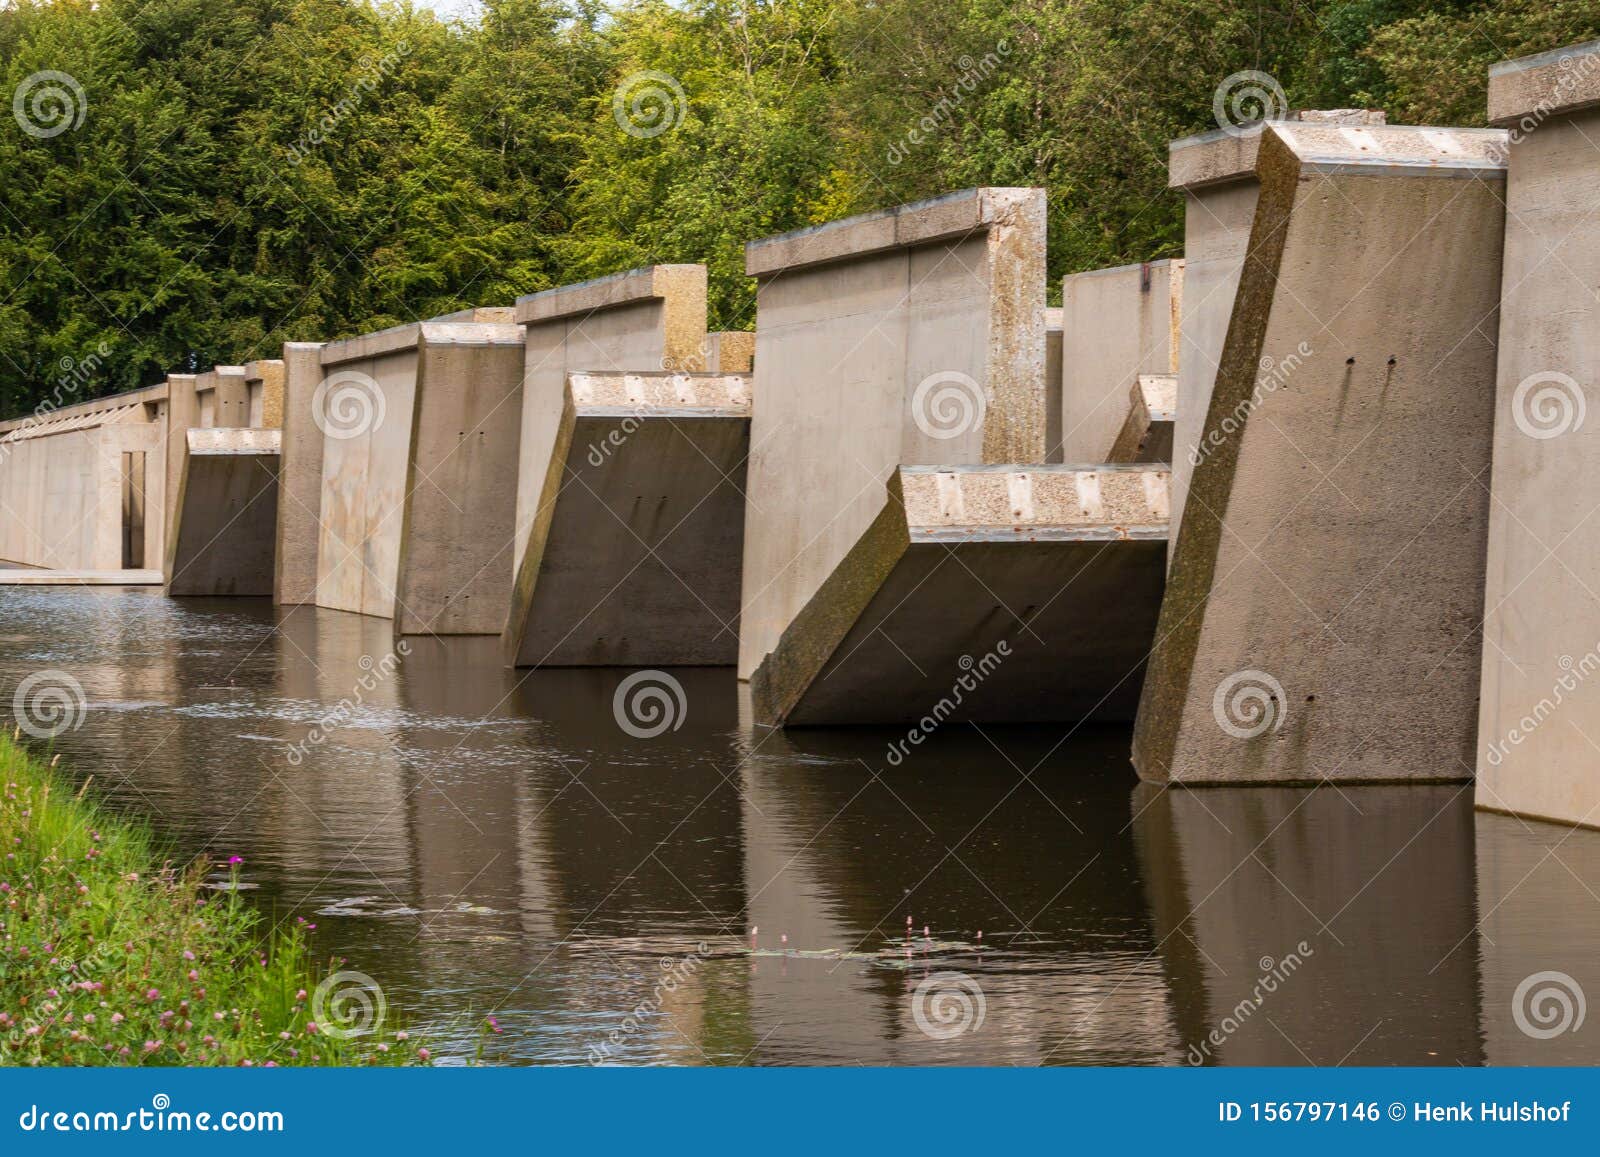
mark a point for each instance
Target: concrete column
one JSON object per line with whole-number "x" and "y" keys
{"x": 183, "y": 414}
{"x": 911, "y": 336}
{"x": 1541, "y": 657}
{"x": 1327, "y": 629}
{"x": 299, "y": 477}
{"x": 264, "y": 380}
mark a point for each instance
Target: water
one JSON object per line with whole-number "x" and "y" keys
{"x": 485, "y": 841}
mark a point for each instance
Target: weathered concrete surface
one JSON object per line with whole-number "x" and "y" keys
{"x": 634, "y": 555}
{"x": 419, "y": 464}
{"x": 1146, "y": 434}
{"x": 1115, "y": 325}
{"x": 1216, "y": 172}
{"x": 221, "y": 539}
{"x": 42, "y": 577}
{"x": 1539, "y": 694}
{"x": 916, "y": 336}
{"x": 730, "y": 351}
{"x": 1036, "y": 585}
{"x": 1353, "y": 488}
{"x": 264, "y": 385}
{"x": 641, "y": 321}
{"x": 299, "y": 477}
{"x": 82, "y": 487}
{"x": 1053, "y": 372}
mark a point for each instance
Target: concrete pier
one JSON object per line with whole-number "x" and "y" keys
{"x": 220, "y": 541}
{"x": 634, "y": 554}
{"x": 1117, "y": 324}
{"x": 420, "y": 457}
{"x": 1346, "y": 445}
{"x": 983, "y": 593}
{"x": 1540, "y": 695}
{"x": 299, "y": 478}
{"x": 912, "y": 336}
{"x": 1146, "y": 434}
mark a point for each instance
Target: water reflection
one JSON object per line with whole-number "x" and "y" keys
{"x": 491, "y": 841}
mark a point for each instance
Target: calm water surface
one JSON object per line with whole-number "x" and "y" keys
{"x": 483, "y": 841}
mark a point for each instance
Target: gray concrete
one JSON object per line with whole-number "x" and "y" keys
{"x": 1115, "y": 325}
{"x": 78, "y": 578}
{"x": 634, "y": 555}
{"x": 299, "y": 478}
{"x": 1004, "y": 593}
{"x": 910, "y": 336}
{"x": 221, "y": 540}
{"x": 1540, "y": 694}
{"x": 1146, "y": 434}
{"x": 1352, "y": 484}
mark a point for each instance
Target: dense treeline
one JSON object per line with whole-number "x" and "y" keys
{"x": 188, "y": 182}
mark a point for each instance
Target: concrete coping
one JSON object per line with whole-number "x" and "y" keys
{"x": 1531, "y": 88}
{"x": 942, "y": 218}
{"x": 644, "y": 392}
{"x": 404, "y": 337}
{"x": 619, "y": 289}
{"x": 1118, "y": 496}
{"x": 215, "y": 442}
{"x": 210, "y": 379}
{"x": 256, "y": 371}
{"x": 1399, "y": 150}
{"x": 1054, "y": 317}
{"x": 1159, "y": 394}
{"x": 1111, "y": 269}
{"x": 1221, "y": 155}
{"x": 39, "y": 420}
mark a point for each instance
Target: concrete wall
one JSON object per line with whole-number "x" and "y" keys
{"x": 220, "y": 543}
{"x": 299, "y": 478}
{"x": 911, "y": 336}
{"x": 1356, "y": 519}
{"x": 1115, "y": 325}
{"x": 1541, "y": 656}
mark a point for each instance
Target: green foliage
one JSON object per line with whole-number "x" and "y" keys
{"x": 254, "y": 171}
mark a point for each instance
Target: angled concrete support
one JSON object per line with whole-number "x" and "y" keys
{"x": 1146, "y": 434}
{"x": 221, "y": 539}
{"x": 1321, "y": 616}
{"x": 1541, "y": 655}
{"x": 634, "y": 555}
{"x": 914, "y": 335}
{"x": 299, "y": 477}
{"x": 1116, "y": 324}
{"x": 641, "y": 321}
{"x": 984, "y": 593}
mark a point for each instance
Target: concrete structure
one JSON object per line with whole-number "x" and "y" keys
{"x": 82, "y": 488}
{"x": 1350, "y": 477}
{"x": 1146, "y": 434}
{"x": 221, "y": 536}
{"x": 912, "y": 336}
{"x": 1052, "y": 385}
{"x": 1216, "y": 172}
{"x": 298, "y": 531}
{"x": 1002, "y": 593}
{"x": 641, "y": 321}
{"x": 634, "y": 554}
{"x": 1115, "y": 325}
{"x": 1536, "y": 732}
{"x": 420, "y": 459}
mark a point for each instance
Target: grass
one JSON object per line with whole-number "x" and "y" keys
{"x": 110, "y": 955}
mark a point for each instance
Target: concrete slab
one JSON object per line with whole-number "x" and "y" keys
{"x": 1116, "y": 324}
{"x": 1542, "y": 620}
{"x": 45, "y": 577}
{"x": 985, "y": 593}
{"x": 634, "y": 555}
{"x": 221, "y": 541}
{"x": 911, "y": 336}
{"x": 1146, "y": 434}
{"x": 1328, "y": 628}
